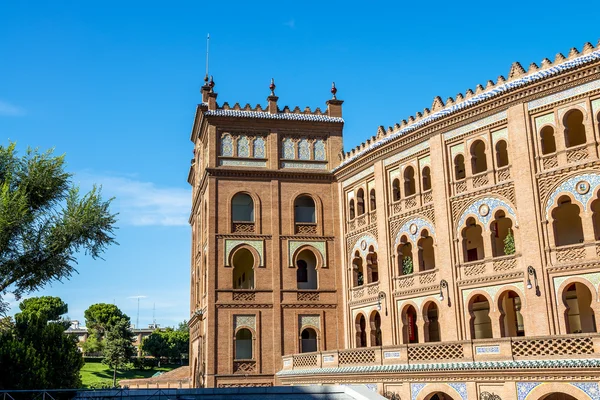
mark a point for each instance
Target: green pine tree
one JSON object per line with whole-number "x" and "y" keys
{"x": 509, "y": 243}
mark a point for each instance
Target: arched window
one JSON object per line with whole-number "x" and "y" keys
{"x": 360, "y": 201}
{"x": 472, "y": 241}
{"x": 375, "y": 322}
{"x": 304, "y": 210}
{"x": 361, "y": 334}
{"x": 432, "y": 326}
{"x": 548, "y": 142}
{"x": 306, "y": 274}
{"x": 503, "y": 240}
{"x": 426, "y": 257}
{"x": 243, "y": 344}
{"x": 574, "y": 129}
{"x": 596, "y": 218}
{"x": 372, "y": 268}
{"x": 459, "y": 167}
{"x": 242, "y": 208}
{"x": 372, "y": 202}
{"x": 396, "y": 190}
{"x": 481, "y": 323}
{"x": 501, "y": 154}
{"x": 351, "y": 207}
{"x": 308, "y": 342}
{"x": 357, "y": 270}
{"x": 579, "y": 315}
{"x": 567, "y": 224}
{"x": 243, "y": 269}
{"x": 511, "y": 321}
{"x": 410, "y": 333}
{"x": 405, "y": 258}
{"x": 426, "y": 177}
{"x": 409, "y": 181}
{"x": 478, "y": 159}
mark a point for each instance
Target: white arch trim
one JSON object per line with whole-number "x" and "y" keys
{"x": 419, "y": 223}
{"x": 573, "y": 185}
{"x": 492, "y": 203}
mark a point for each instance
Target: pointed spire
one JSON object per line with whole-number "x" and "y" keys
{"x": 516, "y": 70}
{"x": 333, "y": 91}
{"x": 272, "y": 87}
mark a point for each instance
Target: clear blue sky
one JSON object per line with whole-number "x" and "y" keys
{"x": 114, "y": 85}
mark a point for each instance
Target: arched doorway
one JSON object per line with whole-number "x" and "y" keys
{"x": 459, "y": 167}
{"x": 567, "y": 224}
{"x": 579, "y": 315}
{"x": 409, "y": 329}
{"x": 361, "y": 334}
{"x": 439, "y": 396}
{"x": 432, "y": 325}
{"x": 243, "y": 269}
{"x": 511, "y": 319}
{"x": 409, "y": 181}
{"x": 558, "y": 396}
{"x": 481, "y": 323}
{"x": 306, "y": 273}
{"x": 501, "y": 154}
{"x": 375, "y": 322}
{"x": 308, "y": 341}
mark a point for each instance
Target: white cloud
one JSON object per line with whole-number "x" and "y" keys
{"x": 142, "y": 203}
{"x": 9, "y": 110}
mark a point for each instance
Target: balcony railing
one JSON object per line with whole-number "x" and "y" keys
{"x": 574, "y": 253}
{"x": 305, "y": 228}
{"x": 500, "y": 349}
{"x": 416, "y": 280}
{"x": 488, "y": 266}
{"x": 243, "y": 227}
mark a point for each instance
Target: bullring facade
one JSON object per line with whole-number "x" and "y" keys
{"x": 454, "y": 255}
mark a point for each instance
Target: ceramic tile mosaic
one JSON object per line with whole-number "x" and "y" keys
{"x": 493, "y": 203}
{"x": 420, "y": 224}
{"x": 363, "y": 244}
{"x": 459, "y": 148}
{"x": 415, "y": 388}
{"x": 461, "y": 388}
{"x": 245, "y": 321}
{"x": 312, "y": 320}
{"x": 590, "y": 388}
{"x": 243, "y": 147}
{"x": 476, "y": 125}
{"x": 406, "y": 153}
{"x": 320, "y": 246}
{"x": 266, "y": 115}
{"x": 524, "y": 388}
{"x": 570, "y": 186}
{"x": 227, "y": 146}
{"x": 391, "y": 354}
{"x": 543, "y": 120}
{"x": 303, "y": 150}
{"x": 592, "y": 277}
{"x": 358, "y": 176}
{"x": 259, "y": 147}
{"x": 493, "y": 290}
{"x": 243, "y": 163}
{"x": 562, "y": 111}
{"x": 487, "y": 349}
{"x": 303, "y": 165}
{"x": 319, "y": 147}
{"x": 565, "y": 94}
{"x": 230, "y": 244}
{"x": 327, "y": 359}
{"x": 501, "y": 134}
{"x": 289, "y": 151}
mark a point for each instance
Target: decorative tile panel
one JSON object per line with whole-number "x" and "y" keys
{"x": 328, "y": 359}
{"x": 501, "y": 134}
{"x": 565, "y": 94}
{"x": 406, "y": 153}
{"x": 459, "y": 148}
{"x": 363, "y": 244}
{"x": 319, "y": 147}
{"x": 543, "y": 120}
{"x": 592, "y": 277}
{"x": 415, "y": 389}
{"x": 259, "y": 147}
{"x": 590, "y": 388}
{"x": 571, "y": 186}
{"x": 303, "y": 150}
{"x": 359, "y": 176}
{"x": 492, "y": 203}
{"x": 309, "y": 320}
{"x": 461, "y": 388}
{"x": 413, "y": 228}
{"x": 487, "y": 349}
{"x": 476, "y": 125}
{"x": 243, "y": 147}
{"x": 320, "y": 246}
{"x": 248, "y": 321}
{"x": 524, "y": 388}
{"x": 424, "y": 161}
{"x": 595, "y": 106}
{"x": 230, "y": 244}
{"x": 243, "y": 163}
{"x": 492, "y": 291}
{"x": 391, "y": 354}
{"x": 562, "y": 111}
{"x": 289, "y": 151}
{"x": 227, "y": 145}
{"x": 278, "y": 116}
{"x": 301, "y": 165}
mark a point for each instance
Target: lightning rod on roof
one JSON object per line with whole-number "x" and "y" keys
{"x": 207, "y": 50}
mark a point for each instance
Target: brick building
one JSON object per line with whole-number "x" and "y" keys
{"x": 451, "y": 256}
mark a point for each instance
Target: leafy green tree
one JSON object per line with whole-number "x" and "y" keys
{"x": 179, "y": 342}
{"x": 183, "y": 326}
{"x": 118, "y": 348}
{"x": 157, "y": 345}
{"x": 35, "y": 352}
{"x": 509, "y": 243}
{"x": 99, "y": 318}
{"x": 407, "y": 265}
{"x": 45, "y": 221}
{"x": 93, "y": 344}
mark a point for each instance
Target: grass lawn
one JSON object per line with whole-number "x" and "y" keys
{"x": 97, "y": 374}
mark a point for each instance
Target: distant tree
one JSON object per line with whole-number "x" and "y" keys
{"x": 168, "y": 343}
{"x": 179, "y": 342}
{"x": 118, "y": 348}
{"x": 157, "y": 345}
{"x": 93, "y": 344}
{"x": 45, "y": 221}
{"x": 183, "y": 326}
{"x": 35, "y": 352}
{"x": 102, "y": 316}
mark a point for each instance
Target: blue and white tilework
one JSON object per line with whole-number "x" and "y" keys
{"x": 227, "y": 146}
{"x": 303, "y": 165}
{"x": 259, "y": 147}
{"x": 487, "y": 350}
{"x": 476, "y": 125}
{"x": 230, "y": 244}
{"x": 570, "y": 186}
{"x": 266, "y": 115}
{"x": 242, "y": 163}
{"x": 590, "y": 388}
{"x": 493, "y": 203}
{"x": 289, "y": 151}
{"x": 415, "y": 388}
{"x": 406, "y": 153}
{"x": 243, "y": 147}
{"x": 524, "y": 388}
{"x": 362, "y": 245}
{"x": 488, "y": 94}
{"x": 358, "y": 176}
{"x": 420, "y": 223}
{"x": 461, "y": 388}
{"x": 320, "y": 150}
{"x": 565, "y": 94}
{"x": 303, "y": 150}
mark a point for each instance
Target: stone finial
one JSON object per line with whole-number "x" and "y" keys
{"x": 587, "y": 48}
{"x": 516, "y": 70}
{"x": 559, "y": 58}
{"x": 334, "y": 106}
{"x": 533, "y": 67}
{"x": 490, "y": 84}
{"x": 546, "y": 63}
{"x": 479, "y": 88}
{"x": 500, "y": 80}
{"x": 272, "y": 87}
{"x": 205, "y": 79}
{"x": 333, "y": 91}
{"x": 211, "y": 84}
{"x": 573, "y": 52}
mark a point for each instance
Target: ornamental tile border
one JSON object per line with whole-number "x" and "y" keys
{"x": 458, "y": 149}
{"x": 501, "y": 134}
{"x": 406, "y": 153}
{"x": 595, "y": 106}
{"x": 266, "y": 115}
{"x": 242, "y": 163}
{"x": 303, "y": 165}
{"x": 570, "y": 186}
{"x": 420, "y": 224}
{"x": 258, "y": 245}
{"x": 592, "y": 389}
{"x": 563, "y": 110}
{"x": 524, "y": 388}
{"x": 544, "y": 119}
{"x": 493, "y": 203}
{"x": 244, "y": 321}
{"x": 358, "y": 176}
{"x": 294, "y": 245}
{"x": 493, "y": 92}
{"x": 487, "y": 349}
{"x": 493, "y": 290}
{"x": 415, "y": 388}
{"x": 476, "y": 125}
{"x": 363, "y": 248}
{"x": 424, "y": 161}
{"x": 309, "y": 320}
{"x": 460, "y": 387}
{"x": 592, "y": 277}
